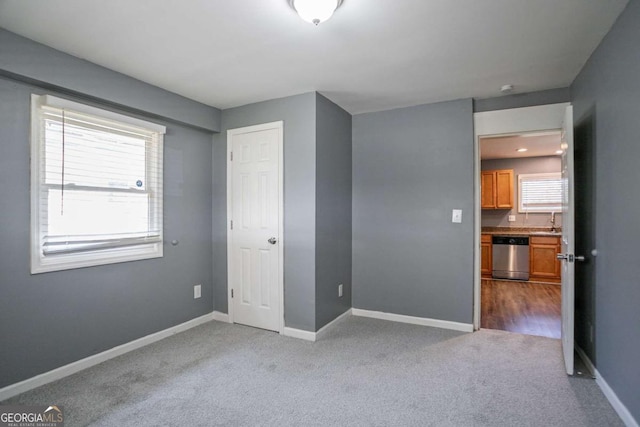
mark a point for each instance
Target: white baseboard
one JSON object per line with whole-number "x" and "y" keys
{"x": 613, "y": 399}
{"x": 585, "y": 359}
{"x": 87, "y": 362}
{"x": 220, "y": 317}
{"x": 299, "y": 333}
{"x": 608, "y": 392}
{"x": 424, "y": 321}
{"x": 331, "y": 325}
{"x": 314, "y": 336}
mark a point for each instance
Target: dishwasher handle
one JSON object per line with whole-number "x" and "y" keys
{"x": 510, "y": 240}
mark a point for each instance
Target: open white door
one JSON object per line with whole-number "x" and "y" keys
{"x": 568, "y": 241}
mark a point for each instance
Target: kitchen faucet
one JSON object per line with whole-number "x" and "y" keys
{"x": 553, "y": 222}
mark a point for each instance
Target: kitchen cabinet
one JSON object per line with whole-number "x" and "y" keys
{"x": 497, "y": 189}
{"x": 543, "y": 264}
{"x": 486, "y": 262}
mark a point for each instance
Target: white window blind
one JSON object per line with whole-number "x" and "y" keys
{"x": 96, "y": 186}
{"x": 540, "y": 192}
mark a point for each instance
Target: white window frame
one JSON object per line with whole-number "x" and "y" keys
{"x": 116, "y": 253}
{"x": 531, "y": 176}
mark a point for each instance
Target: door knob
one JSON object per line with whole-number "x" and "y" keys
{"x": 272, "y": 240}
{"x": 570, "y": 257}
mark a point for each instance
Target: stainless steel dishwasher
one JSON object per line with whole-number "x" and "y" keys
{"x": 510, "y": 257}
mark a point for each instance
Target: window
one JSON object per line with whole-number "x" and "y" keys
{"x": 96, "y": 186}
{"x": 540, "y": 192}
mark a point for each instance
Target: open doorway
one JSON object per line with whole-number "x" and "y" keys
{"x": 521, "y": 222}
{"x": 523, "y": 120}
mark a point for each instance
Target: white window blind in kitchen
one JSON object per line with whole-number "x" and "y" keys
{"x": 96, "y": 186}
{"x": 540, "y": 192}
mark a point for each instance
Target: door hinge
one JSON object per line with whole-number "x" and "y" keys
{"x": 231, "y": 293}
{"x": 232, "y": 156}
{"x": 232, "y": 224}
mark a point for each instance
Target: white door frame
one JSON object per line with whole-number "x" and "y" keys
{"x": 279, "y": 125}
{"x": 511, "y": 121}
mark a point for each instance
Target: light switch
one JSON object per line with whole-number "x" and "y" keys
{"x": 512, "y": 218}
{"x": 456, "y": 216}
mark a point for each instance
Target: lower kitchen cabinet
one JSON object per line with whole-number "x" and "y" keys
{"x": 543, "y": 264}
{"x": 486, "y": 262}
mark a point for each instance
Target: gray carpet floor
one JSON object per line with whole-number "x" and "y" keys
{"x": 365, "y": 372}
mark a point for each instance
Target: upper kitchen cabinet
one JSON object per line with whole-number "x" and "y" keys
{"x": 497, "y": 189}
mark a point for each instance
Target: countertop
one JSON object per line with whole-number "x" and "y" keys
{"x": 521, "y": 231}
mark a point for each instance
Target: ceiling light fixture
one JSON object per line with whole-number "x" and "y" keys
{"x": 559, "y": 152}
{"x": 522, "y": 150}
{"x": 315, "y": 11}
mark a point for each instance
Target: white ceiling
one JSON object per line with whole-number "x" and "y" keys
{"x": 371, "y": 56}
{"x": 505, "y": 147}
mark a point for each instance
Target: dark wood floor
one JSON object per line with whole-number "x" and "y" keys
{"x": 522, "y": 307}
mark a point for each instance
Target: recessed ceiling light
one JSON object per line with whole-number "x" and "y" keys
{"x": 522, "y": 150}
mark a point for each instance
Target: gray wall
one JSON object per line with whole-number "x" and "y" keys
{"x": 299, "y": 116}
{"x": 333, "y": 210}
{"x": 500, "y": 218}
{"x": 51, "y": 319}
{"x": 317, "y": 205}
{"x": 519, "y": 100}
{"x": 411, "y": 167}
{"x": 32, "y": 62}
{"x": 606, "y": 110}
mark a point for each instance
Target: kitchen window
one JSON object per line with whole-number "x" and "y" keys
{"x": 540, "y": 192}
{"x": 96, "y": 186}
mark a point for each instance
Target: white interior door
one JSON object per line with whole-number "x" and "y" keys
{"x": 255, "y": 226}
{"x": 568, "y": 241}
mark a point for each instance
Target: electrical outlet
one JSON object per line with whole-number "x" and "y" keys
{"x": 197, "y": 291}
{"x": 340, "y": 289}
{"x": 512, "y": 218}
